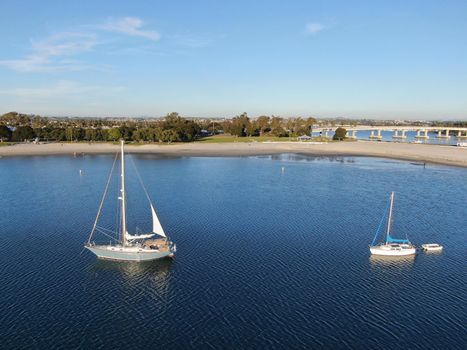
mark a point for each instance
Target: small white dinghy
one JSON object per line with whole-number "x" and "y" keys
{"x": 432, "y": 247}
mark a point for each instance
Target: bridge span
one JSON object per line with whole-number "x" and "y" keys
{"x": 399, "y": 132}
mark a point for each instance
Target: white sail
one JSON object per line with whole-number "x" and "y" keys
{"x": 130, "y": 237}
{"x": 156, "y": 225}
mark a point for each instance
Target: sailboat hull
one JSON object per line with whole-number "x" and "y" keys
{"x": 128, "y": 253}
{"x": 392, "y": 250}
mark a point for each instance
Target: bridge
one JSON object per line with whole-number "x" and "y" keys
{"x": 399, "y": 132}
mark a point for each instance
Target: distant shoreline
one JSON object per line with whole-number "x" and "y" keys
{"x": 447, "y": 155}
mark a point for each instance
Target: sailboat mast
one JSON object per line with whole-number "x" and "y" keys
{"x": 390, "y": 215}
{"x": 123, "y": 196}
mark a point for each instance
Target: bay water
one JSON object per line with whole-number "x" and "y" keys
{"x": 272, "y": 253}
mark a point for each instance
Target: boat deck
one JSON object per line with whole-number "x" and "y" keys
{"x": 161, "y": 244}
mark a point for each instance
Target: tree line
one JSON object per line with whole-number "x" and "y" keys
{"x": 243, "y": 126}
{"x": 172, "y": 128}
{"x": 18, "y": 127}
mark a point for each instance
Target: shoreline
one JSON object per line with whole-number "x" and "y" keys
{"x": 437, "y": 154}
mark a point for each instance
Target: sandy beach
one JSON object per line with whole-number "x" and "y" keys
{"x": 448, "y": 155}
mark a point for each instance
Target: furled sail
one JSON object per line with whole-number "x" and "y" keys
{"x": 389, "y": 239}
{"x": 156, "y": 225}
{"x": 130, "y": 237}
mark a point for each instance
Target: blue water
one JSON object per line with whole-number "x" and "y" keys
{"x": 267, "y": 258}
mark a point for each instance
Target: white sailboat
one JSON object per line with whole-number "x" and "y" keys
{"x": 392, "y": 246}
{"x": 150, "y": 246}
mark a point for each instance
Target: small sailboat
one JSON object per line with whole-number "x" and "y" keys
{"x": 392, "y": 246}
{"x": 138, "y": 247}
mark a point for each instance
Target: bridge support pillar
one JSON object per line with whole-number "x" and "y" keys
{"x": 399, "y": 136}
{"x": 441, "y": 136}
{"x": 376, "y": 135}
{"x": 420, "y": 134}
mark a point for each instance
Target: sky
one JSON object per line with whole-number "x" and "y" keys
{"x": 357, "y": 59}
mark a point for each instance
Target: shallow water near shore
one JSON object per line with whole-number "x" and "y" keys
{"x": 272, "y": 253}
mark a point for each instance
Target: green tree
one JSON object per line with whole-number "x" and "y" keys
{"x": 279, "y": 131}
{"x": 169, "y": 136}
{"x": 153, "y": 134}
{"x": 240, "y": 125}
{"x": 90, "y": 134}
{"x": 186, "y": 130}
{"x": 113, "y": 134}
{"x": 252, "y": 129}
{"x": 126, "y": 132}
{"x": 339, "y": 134}
{"x": 78, "y": 134}
{"x": 157, "y": 134}
{"x": 263, "y": 123}
{"x": 102, "y": 134}
{"x": 139, "y": 134}
{"x": 309, "y": 124}
{"x": 70, "y": 134}
{"x": 22, "y": 133}
{"x": 5, "y": 133}
{"x": 58, "y": 134}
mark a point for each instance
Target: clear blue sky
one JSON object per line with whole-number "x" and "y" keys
{"x": 379, "y": 59}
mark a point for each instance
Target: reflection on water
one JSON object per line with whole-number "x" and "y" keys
{"x": 392, "y": 268}
{"x": 379, "y": 261}
{"x": 133, "y": 273}
{"x": 433, "y": 252}
{"x": 132, "y": 269}
{"x": 304, "y": 158}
